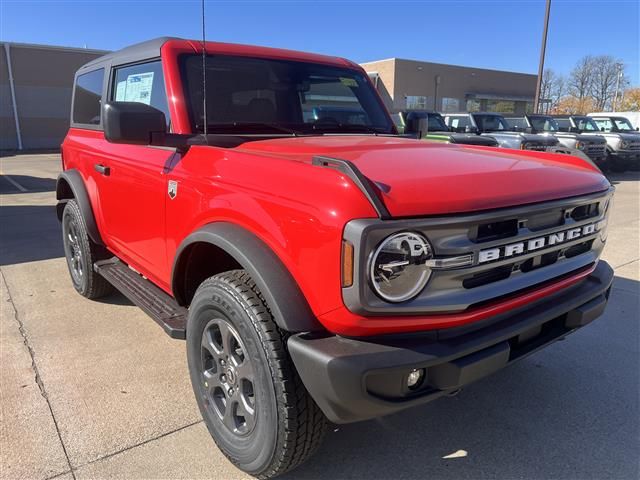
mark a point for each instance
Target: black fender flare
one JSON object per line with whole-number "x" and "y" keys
{"x": 75, "y": 183}
{"x": 288, "y": 305}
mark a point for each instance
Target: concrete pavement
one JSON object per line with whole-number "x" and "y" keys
{"x": 97, "y": 390}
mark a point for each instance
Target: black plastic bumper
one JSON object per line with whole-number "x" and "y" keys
{"x": 359, "y": 379}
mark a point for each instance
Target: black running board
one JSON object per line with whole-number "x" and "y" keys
{"x": 155, "y": 302}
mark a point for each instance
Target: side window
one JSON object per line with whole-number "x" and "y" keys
{"x": 143, "y": 83}
{"x": 86, "y": 98}
{"x": 604, "y": 123}
{"x": 458, "y": 122}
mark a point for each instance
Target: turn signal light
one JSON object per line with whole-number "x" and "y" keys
{"x": 347, "y": 264}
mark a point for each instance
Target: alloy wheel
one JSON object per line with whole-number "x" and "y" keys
{"x": 228, "y": 377}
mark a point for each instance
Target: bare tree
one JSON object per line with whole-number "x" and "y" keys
{"x": 552, "y": 89}
{"x": 558, "y": 89}
{"x": 548, "y": 77}
{"x": 581, "y": 78}
{"x": 608, "y": 73}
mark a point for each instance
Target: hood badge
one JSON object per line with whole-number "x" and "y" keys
{"x": 172, "y": 189}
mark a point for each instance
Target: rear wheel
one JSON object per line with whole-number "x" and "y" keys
{"x": 250, "y": 396}
{"x": 81, "y": 253}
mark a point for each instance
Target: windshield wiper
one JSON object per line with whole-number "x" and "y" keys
{"x": 233, "y": 128}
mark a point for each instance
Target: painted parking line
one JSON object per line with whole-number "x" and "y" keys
{"x": 13, "y": 182}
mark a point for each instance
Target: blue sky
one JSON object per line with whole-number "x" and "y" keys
{"x": 489, "y": 34}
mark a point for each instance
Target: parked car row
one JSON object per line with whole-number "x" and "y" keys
{"x": 609, "y": 142}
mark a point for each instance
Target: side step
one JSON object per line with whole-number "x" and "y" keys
{"x": 155, "y": 302}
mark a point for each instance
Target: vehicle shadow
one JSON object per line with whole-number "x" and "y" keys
{"x": 569, "y": 411}
{"x": 12, "y": 184}
{"x": 29, "y": 233}
{"x": 629, "y": 176}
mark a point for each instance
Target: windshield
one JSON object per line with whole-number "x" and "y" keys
{"x": 491, "y": 123}
{"x": 586, "y": 123}
{"x": 544, "y": 124}
{"x": 255, "y": 95}
{"x": 436, "y": 123}
{"x": 623, "y": 124}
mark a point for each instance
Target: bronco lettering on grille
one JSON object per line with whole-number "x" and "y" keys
{"x": 520, "y": 248}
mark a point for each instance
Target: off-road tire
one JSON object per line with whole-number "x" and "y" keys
{"x": 288, "y": 425}
{"x": 80, "y": 250}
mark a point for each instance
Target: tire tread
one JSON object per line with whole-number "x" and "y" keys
{"x": 300, "y": 420}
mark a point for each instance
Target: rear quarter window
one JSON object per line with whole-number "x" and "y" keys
{"x": 87, "y": 98}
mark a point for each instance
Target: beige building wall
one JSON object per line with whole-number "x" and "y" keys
{"x": 43, "y": 81}
{"x": 412, "y": 84}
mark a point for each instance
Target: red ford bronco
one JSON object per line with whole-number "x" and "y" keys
{"x": 320, "y": 269}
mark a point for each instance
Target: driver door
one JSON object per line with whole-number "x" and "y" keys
{"x": 133, "y": 183}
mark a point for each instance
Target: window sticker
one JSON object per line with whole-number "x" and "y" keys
{"x": 120, "y": 89}
{"x": 136, "y": 88}
{"x": 348, "y": 82}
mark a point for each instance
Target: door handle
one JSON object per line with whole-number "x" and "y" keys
{"x": 104, "y": 170}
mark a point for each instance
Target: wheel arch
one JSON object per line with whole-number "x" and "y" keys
{"x": 70, "y": 185}
{"x": 227, "y": 247}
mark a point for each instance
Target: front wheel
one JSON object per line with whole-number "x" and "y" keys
{"x": 250, "y": 396}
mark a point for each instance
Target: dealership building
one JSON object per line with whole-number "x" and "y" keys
{"x": 36, "y": 83}
{"x": 35, "y": 93}
{"x": 414, "y": 85}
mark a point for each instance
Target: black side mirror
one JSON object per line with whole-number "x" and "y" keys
{"x": 470, "y": 129}
{"x": 637, "y": 129}
{"x": 133, "y": 123}
{"x": 416, "y": 124}
{"x": 602, "y": 129}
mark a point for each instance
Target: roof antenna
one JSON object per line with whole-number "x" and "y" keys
{"x": 204, "y": 78}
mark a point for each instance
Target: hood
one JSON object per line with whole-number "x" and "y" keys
{"x": 624, "y": 136}
{"x": 527, "y": 137}
{"x": 464, "y": 138}
{"x": 580, "y": 137}
{"x": 416, "y": 178}
{"x": 473, "y": 139}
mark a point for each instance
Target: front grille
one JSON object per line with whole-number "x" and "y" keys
{"x": 596, "y": 149}
{"x": 634, "y": 146}
{"x": 511, "y": 249}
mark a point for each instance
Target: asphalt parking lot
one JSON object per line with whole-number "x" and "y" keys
{"x": 95, "y": 389}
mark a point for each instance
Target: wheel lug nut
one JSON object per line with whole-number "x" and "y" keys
{"x": 222, "y": 362}
{"x": 223, "y": 378}
{"x": 231, "y": 391}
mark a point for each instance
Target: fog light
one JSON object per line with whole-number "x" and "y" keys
{"x": 415, "y": 378}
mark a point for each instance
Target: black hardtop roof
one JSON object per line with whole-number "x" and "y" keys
{"x": 133, "y": 53}
{"x": 430, "y": 112}
{"x": 568, "y": 115}
{"x": 474, "y": 113}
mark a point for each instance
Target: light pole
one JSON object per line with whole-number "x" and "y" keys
{"x": 536, "y": 104}
{"x": 436, "y": 80}
{"x": 615, "y": 97}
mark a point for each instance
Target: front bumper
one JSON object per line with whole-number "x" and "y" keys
{"x": 627, "y": 155}
{"x": 358, "y": 379}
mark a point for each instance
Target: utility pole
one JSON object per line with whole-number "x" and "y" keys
{"x": 536, "y": 105}
{"x": 615, "y": 97}
{"x": 436, "y": 81}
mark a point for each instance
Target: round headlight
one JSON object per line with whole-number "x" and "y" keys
{"x": 580, "y": 145}
{"x": 624, "y": 144}
{"x": 397, "y": 270}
